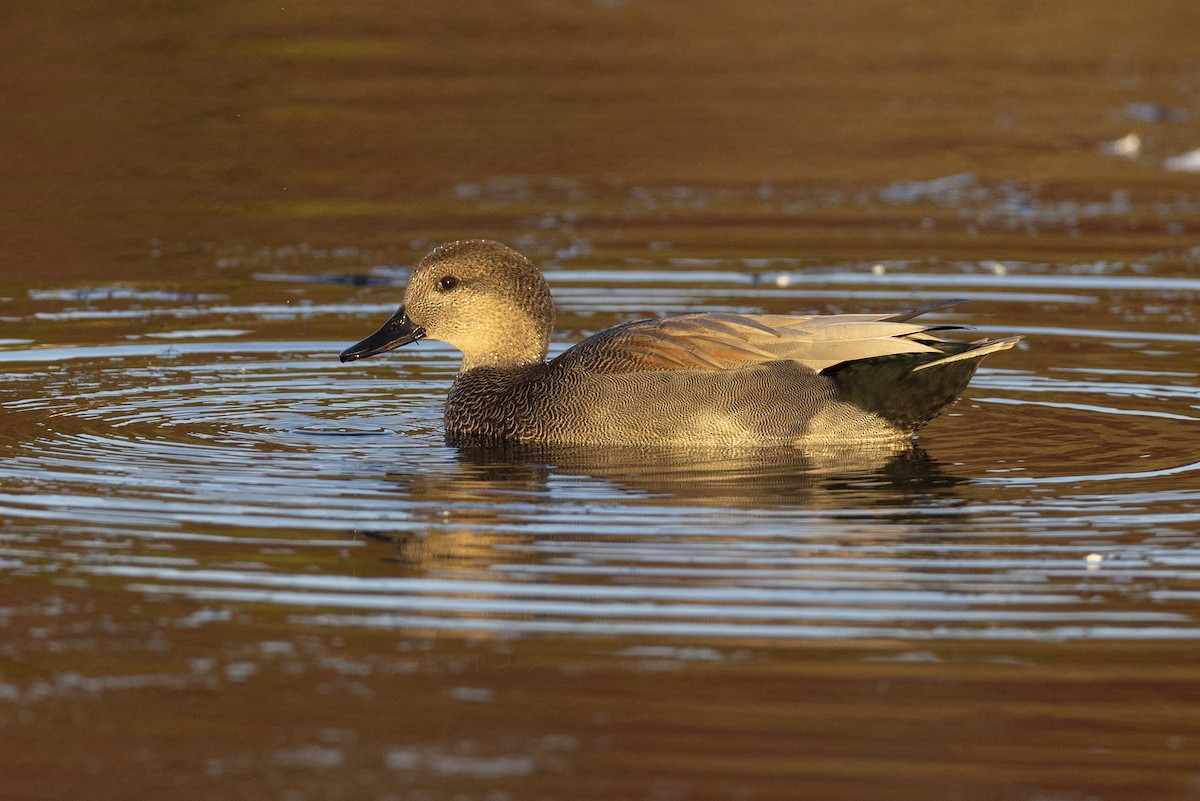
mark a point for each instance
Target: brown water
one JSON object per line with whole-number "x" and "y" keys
{"x": 231, "y": 567}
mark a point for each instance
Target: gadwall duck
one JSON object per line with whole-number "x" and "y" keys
{"x": 707, "y": 380}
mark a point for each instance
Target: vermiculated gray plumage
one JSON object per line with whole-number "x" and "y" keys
{"x": 694, "y": 380}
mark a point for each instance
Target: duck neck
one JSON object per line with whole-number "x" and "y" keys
{"x": 515, "y": 343}
{"x": 506, "y": 360}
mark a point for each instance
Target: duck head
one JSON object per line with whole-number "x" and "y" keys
{"x": 481, "y": 297}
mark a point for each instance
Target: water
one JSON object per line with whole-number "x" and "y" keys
{"x": 1036, "y": 510}
{"x": 202, "y": 511}
{"x": 233, "y": 567}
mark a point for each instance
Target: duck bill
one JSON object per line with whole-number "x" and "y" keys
{"x": 397, "y": 331}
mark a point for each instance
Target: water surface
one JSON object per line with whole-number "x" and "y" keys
{"x": 232, "y": 567}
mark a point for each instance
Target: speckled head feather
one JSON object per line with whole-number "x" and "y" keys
{"x": 693, "y": 380}
{"x": 485, "y": 299}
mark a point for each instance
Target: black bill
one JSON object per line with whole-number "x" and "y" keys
{"x": 397, "y": 331}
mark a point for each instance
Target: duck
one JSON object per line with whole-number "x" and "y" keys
{"x": 715, "y": 379}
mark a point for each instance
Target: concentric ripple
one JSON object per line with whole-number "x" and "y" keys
{"x": 1058, "y": 501}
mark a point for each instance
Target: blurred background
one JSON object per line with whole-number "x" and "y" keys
{"x": 199, "y": 126}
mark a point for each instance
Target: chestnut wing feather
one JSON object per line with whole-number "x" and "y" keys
{"x": 725, "y": 341}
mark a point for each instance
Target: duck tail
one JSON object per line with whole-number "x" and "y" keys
{"x": 976, "y": 350}
{"x": 908, "y": 314}
{"x": 903, "y": 389}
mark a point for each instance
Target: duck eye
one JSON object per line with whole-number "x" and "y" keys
{"x": 448, "y": 282}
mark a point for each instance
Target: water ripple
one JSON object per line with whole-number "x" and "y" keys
{"x": 217, "y": 471}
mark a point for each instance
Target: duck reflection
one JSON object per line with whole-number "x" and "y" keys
{"x": 767, "y": 478}
{"x": 486, "y": 498}
{"x": 758, "y": 478}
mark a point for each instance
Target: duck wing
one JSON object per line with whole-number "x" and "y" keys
{"x": 725, "y": 341}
